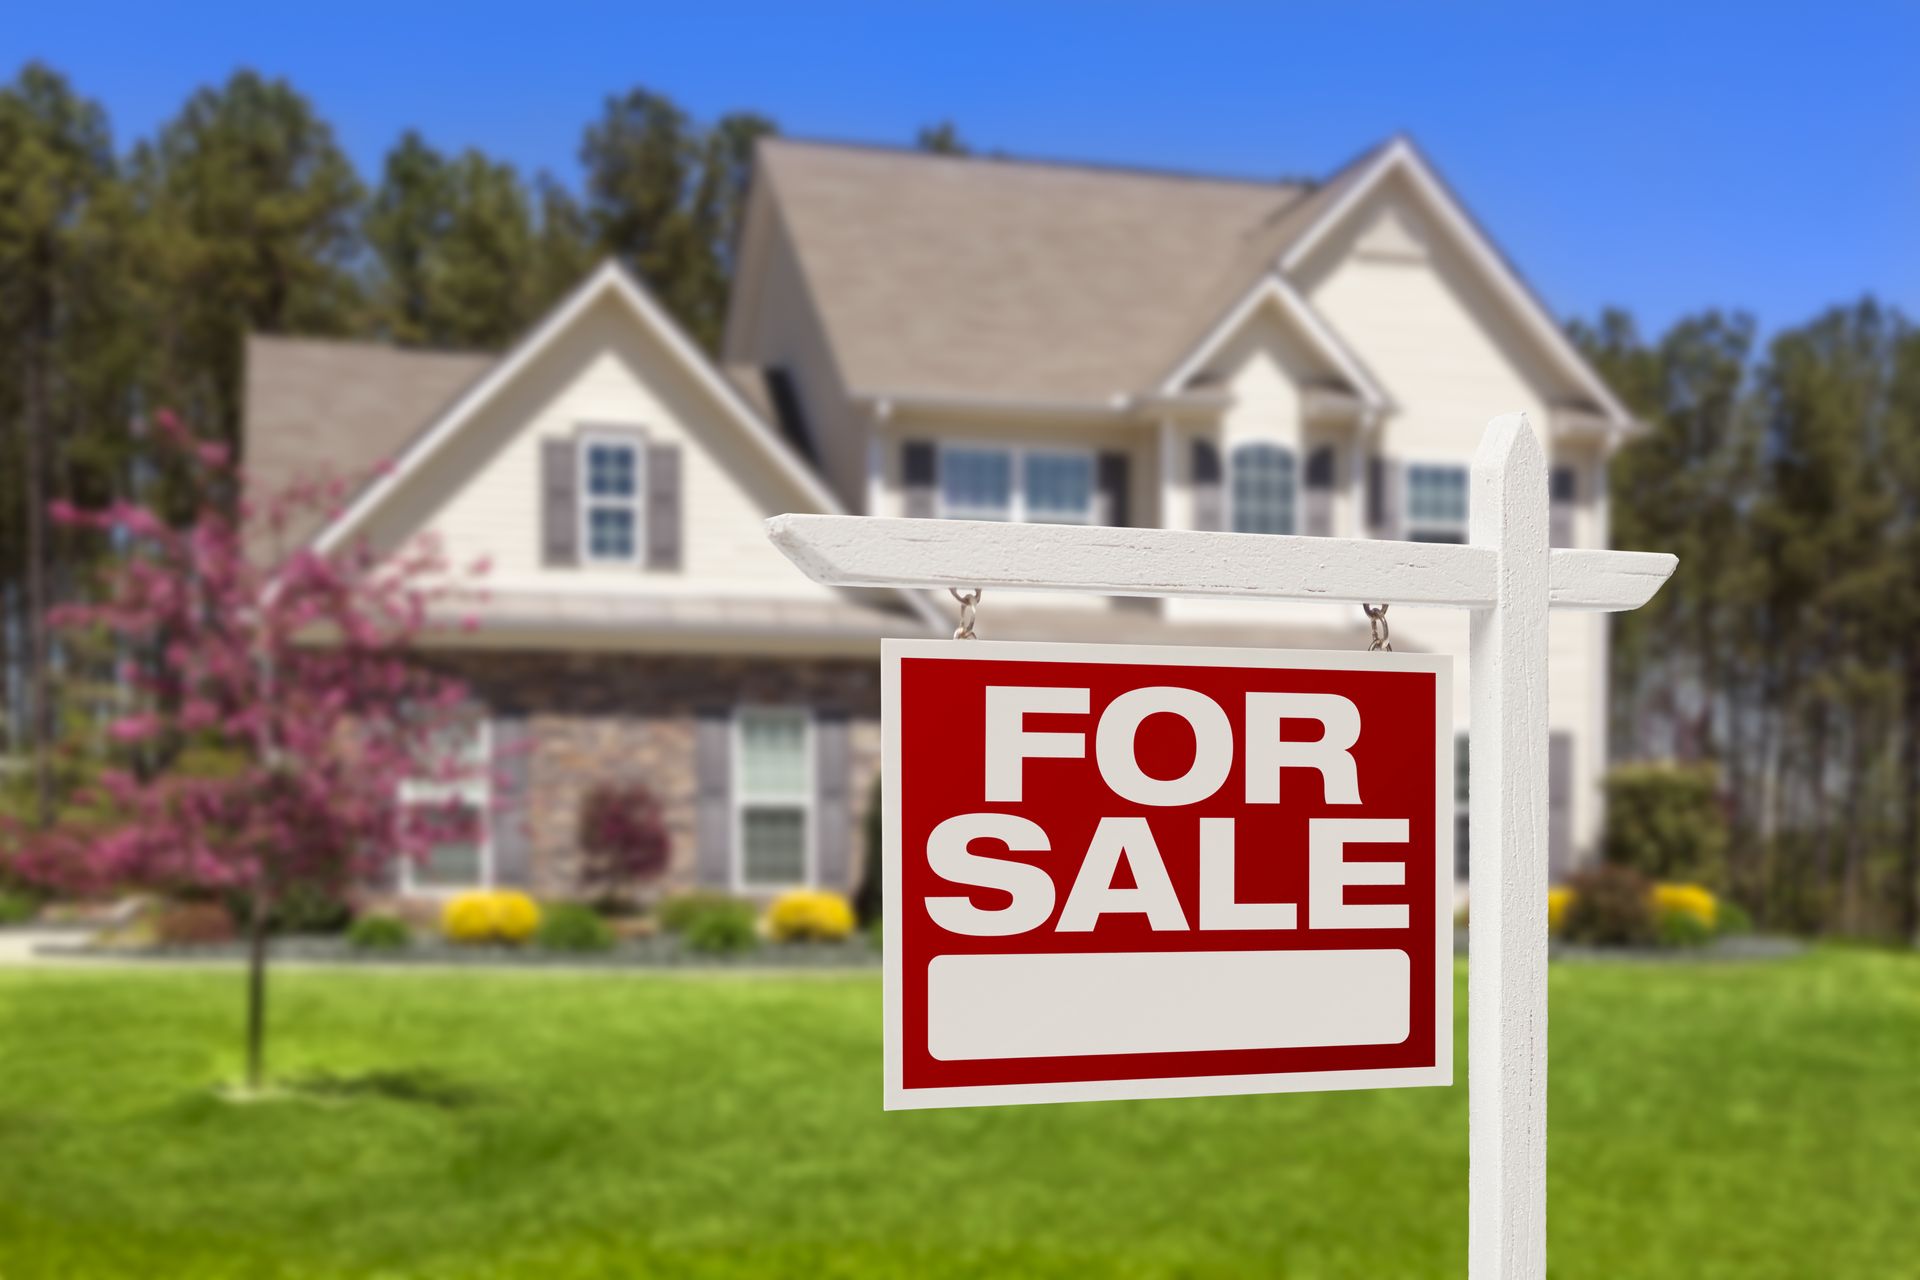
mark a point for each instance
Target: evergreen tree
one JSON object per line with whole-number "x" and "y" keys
{"x": 456, "y": 244}
{"x": 66, "y": 368}
{"x": 665, "y": 197}
{"x": 251, "y": 215}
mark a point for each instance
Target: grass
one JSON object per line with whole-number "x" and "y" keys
{"x": 1707, "y": 1121}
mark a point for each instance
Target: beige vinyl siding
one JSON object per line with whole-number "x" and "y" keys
{"x": 481, "y": 494}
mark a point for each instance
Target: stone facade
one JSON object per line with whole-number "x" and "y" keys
{"x": 593, "y": 718}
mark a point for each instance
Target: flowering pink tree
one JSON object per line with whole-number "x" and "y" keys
{"x": 296, "y": 665}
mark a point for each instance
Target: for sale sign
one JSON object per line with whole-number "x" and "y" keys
{"x": 1126, "y": 872}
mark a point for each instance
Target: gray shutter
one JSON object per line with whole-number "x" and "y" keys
{"x": 713, "y": 798}
{"x": 507, "y": 822}
{"x": 1321, "y": 479}
{"x": 559, "y": 503}
{"x": 1110, "y": 508}
{"x": 1209, "y": 487}
{"x": 833, "y": 802}
{"x": 920, "y": 478}
{"x": 1559, "y": 804}
{"x": 663, "y": 506}
{"x": 1385, "y": 499}
{"x": 1563, "y": 493}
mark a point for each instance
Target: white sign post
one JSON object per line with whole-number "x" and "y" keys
{"x": 1508, "y": 579}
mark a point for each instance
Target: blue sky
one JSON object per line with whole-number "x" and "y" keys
{"x": 1661, "y": 157}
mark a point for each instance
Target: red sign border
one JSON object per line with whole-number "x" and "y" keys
{"x": 896, "y": 1097}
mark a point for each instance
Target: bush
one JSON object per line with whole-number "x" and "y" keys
{"x": 1666, "y": 821}
{"x": 310, "y": 908}
{"x": 1733, "y": 919}
{"x": 379, "y": 933}
{"x": 197, "y": 923}
{"x": 1680, "y": 929}
{"x": 1609, "y": 906}
{"x": 17, "y": 907}
{"x": 682, "y": 909}
{"x": 1689, "y": 900}
{"x": 810, "y": 915}
{"x": 1558, "y": 899}
{"x": 623, "y": 839}
{"x": 723, "y": 926}
{"x": 571, "y": 926}
{"x": 490, "y": 915}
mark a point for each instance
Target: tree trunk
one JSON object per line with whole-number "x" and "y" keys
{"x": 1908, "y": 904}
{"x": 256, "y": 987}
{"x": 34, "y": 420}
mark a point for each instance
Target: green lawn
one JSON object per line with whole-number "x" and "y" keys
{"x": 1750, "y": 1121}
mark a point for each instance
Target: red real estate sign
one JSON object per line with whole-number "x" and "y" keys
{"x": 1120, "y": 872}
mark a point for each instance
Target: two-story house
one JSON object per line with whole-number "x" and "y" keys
{"x": 917, "y": 335}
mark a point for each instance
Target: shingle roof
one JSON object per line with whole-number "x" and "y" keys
{"x": 321, "y": 409}
{"x": 944, "y": 275}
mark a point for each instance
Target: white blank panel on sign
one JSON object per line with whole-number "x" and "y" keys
{"x": 1065, "y": 1004}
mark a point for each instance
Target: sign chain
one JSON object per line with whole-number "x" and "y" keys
{"x": 1377, "y": 628}
{"x": 969, "y": 605}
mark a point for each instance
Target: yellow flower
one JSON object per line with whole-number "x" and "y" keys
{"x": 1687, "y": 900}
{"x": 809, "y": 915}
{"x": 484, "y": 915}
{"x": 1558, "y": 900}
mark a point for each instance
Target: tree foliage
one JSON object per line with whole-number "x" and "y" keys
{"x": 298, "y": 670}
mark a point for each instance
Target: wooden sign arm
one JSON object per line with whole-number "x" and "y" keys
{"x": 871, "y": 551}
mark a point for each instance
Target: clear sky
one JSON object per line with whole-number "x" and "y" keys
{"x": 1662, "y": 157}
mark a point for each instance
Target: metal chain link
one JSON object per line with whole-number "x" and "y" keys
{"x": 969, "y": 605}
{"x": 1377, "y": 628}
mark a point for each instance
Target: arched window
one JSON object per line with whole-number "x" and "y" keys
{"x": 1263, "y": 489}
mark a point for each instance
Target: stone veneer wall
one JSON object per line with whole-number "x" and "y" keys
{"x": 595, "y": 718}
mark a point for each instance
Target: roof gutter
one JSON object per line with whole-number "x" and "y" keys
{"x": 1121, "y": 407}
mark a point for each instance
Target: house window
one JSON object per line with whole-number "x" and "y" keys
{"x": 773, "y": 798}
{"x": 458, "y": 785}
{"x": 1460, "y": 796}
{"x": 610, "y": 506}
{"x": 1263, "y": 489}
{"x": 1053, "y": 486}
{"x": 1436, "y": 503}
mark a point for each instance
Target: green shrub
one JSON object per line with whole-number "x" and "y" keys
{"x": 723, "y": 927}
{"x": 572, "y": 926}
{"x": 379, "y": 933}
{"x": 1681, "y": 929}
{"x": 1666, "y": 821}
{"x": 1733, "y": 918}
{"x": 1609, "y": 906}
{"x": 17, "y": 907}
{"x": 681, "y": 910}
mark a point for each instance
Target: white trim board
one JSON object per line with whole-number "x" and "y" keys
{"x": 610, "y": 279}
{"x": 1272, "y": 288}
{"x": 1401, "y": 156}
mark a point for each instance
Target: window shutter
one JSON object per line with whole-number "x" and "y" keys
{"x": 510, "y": 838}
{"x": 559, "y": 503}
{"x": 1559, "y": 804}
{"x": 1322, "y": 471}
{"x": 1114, "y": 480}
{"x": 1563, "y": 495}
{"x": 663, "y": 506}
{"x": 1209, "y": 488}
{"x": 1386, "y": 497}
{"x": 713, "y": 798}
{"x": 920, "y": 477}
{"x": 833, "y": 802}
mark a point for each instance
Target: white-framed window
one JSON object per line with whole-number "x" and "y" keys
{"x": 772, "y": 798}
{"x": 1436, "y": 503}
{"x": 1009, "y": 482}
{"x": 463, "y": 859}
{"x": 1265, "y": 488}
{"x": 610, "y": 489}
